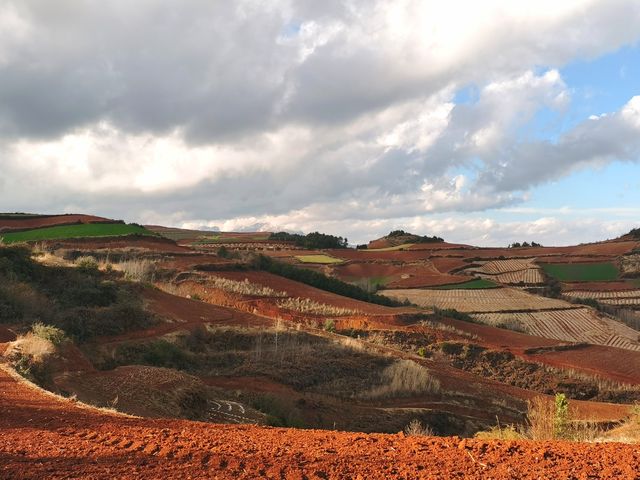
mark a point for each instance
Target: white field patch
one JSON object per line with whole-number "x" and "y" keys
{"x": 618, "y": 298}
{"x": 479, "y": 301}
{"x": 510, "y": 272}
{"x": 577, "y": 325}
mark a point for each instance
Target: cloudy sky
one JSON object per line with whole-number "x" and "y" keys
{"x": 482, "y": 122}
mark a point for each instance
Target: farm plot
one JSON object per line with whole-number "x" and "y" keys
{"x": 476, "y": 283}
{"x": 321, "y": 259}
{"x": 531, "y": 276}
{"x": 479, "y": 301}
{"x": 582, "y": 272}
{"x": 576, "y": 325}
{"x": 84, "y": 230}
{"x": 604, "y": 295}
{"x": 511, "y": 271}
{"x": 627, "y": 298}
{"x": 495, "y": 267}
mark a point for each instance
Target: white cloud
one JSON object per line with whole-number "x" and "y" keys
{"x": 261, "y": 112}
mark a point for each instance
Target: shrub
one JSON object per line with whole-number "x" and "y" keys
{"x": 29, "y": 356}
{"x": 50, "y": 333}
{"x": 279, "y": 412}
{"x": 141, "y": 270}
{"x": 159, "y": 353}
{"x": 404, "y": 378}
{"x": 87, "y": 262}
{"x": 243, "y": 287}
{"x": 329, "y": 325}
{"x": 306, "y": 305}
{"x": 415, "y": 428}
{"x": 561, "y": 416}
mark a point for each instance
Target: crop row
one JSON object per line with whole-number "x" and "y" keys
{"x": 577, "y": 325}
{"x": 493, "y": 300}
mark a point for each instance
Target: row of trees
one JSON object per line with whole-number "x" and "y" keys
{"x": 311, "y": 240}
{"x": 415, "y": 238}
{"x": 524, "y": 245}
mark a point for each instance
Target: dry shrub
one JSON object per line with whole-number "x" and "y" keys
{"x": 244, "y": 287}
{"x": 141, "y": 270}
{"x": 29, "y": 356}
{"x": 87, "y": 262}
{"x": 404, "y": 378}
{"x": 306, "y": 305}
{"x": 587, "y": 431}
{"x": 541, "y": 418}
{"x": 415, "y": 428}
{"x": 31, "y": 345}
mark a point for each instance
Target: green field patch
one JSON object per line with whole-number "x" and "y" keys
{"x": 477, "y": 283}
{"x": 62, "y": 232}
{"x": 388, "y": 249}
{"x": 229, "y": 239}
{"x": 581, "y": 272}
{"x": 323, "y": 259}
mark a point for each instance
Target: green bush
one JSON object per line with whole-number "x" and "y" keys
{"x": 159, "y": 353}
{"x": 50, "y": 333}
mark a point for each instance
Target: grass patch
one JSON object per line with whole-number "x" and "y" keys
{"x": 389, "y": 249}
{"x": 581, "y": 272}
{"x": 323, "y": 259}
{"x": 478, "y": 283}
{"x": 75, "y": 231}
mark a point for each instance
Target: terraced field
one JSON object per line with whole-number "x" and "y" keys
{"x": 620, "y": 298}
{"x": 575, "y": 325}
{"x": 321, "y": 259}
{"x": 479, "y": 301}
{"x": 582, "y": 272}
{"x": 75, "y": 231}
{"x": 510, "y": 271}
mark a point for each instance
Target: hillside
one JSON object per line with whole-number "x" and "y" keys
{"x": 235, "y": 329}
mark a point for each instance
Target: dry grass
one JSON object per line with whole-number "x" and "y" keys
{"x": 448, "y": 328}
{"x": 31, "y": 345}
{"x": 306, "y": 305}
{"x": 404, "y": 378}
{"x": 415, "y": 428}
{"x": 244, "y": 287}
{"x": 540, "y": 418}
{"x": 508, "y": 432}
{"x": 141, "y": 270}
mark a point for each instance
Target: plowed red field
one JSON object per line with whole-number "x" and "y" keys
{"x": 44, "y": 437}
{"x": 128, "y": 242}
{"x": 39, "y": 222}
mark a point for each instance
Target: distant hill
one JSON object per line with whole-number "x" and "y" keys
{"x": 400, "y": 237}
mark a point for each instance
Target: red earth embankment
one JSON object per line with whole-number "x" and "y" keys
{"x": 45, "y": 437}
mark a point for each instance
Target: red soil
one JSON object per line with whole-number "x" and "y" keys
{"x": 447, "y": 264}
{"x": 296, "y": 289}
{"x": 6, "y": 334}
{"x": 365, "y": 255}
{"x": 155, "y": 244}
{"x": 189, "y": 262}
{"x": 611, "y": 363}
{"x": 28, "y": 222}
{"x": 45, "y": 437}
{"x": 422, "y": 274}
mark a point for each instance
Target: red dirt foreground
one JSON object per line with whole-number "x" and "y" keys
{"x": 42, "y": 436}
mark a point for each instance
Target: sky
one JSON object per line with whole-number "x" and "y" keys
{"x": 481, "y": 122}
